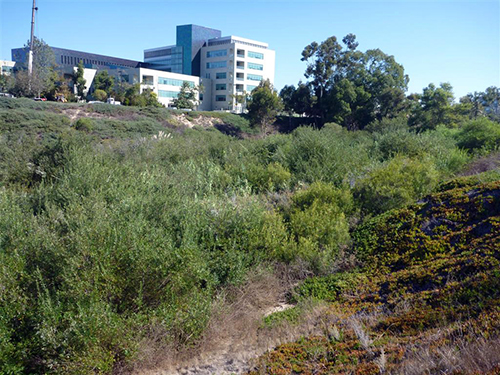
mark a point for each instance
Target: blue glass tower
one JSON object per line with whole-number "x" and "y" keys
{"x": 191, "y": 38}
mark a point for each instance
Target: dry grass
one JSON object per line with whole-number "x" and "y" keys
{"x": 235, "y": 332}
{"x": 481, "y": 165}
{"x": 464, "y": 355}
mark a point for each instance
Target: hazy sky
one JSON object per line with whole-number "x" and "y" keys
{"x": 436, "y": 41}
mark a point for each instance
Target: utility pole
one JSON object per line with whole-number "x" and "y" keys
{"x": 30, "y": 56}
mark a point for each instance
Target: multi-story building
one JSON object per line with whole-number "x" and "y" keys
{"x": 231, "y": 65}
{"x": 6, "y": 67}
{"x": 227, "y": 67}
{"x": 236, "y": 66}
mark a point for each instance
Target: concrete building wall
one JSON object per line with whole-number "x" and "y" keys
{"x": 167, "y": 85}
{"x": 245, "y": 63}
{"x": 7, "y": 67}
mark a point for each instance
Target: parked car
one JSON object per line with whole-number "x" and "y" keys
{"x": 6, "y": 95}
{"x": 40, "y": 99}
{"x": 113, "y": 101}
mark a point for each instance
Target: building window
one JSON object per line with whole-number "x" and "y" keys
{"x": 254, "y": 77}
{"x": 218, "y": 53}
{"x": 240, "y": 65}
{"x": 216, "y": 64}
{"x": 221, "y": 75}
{"x": 240, "y": 76}
{"x": 240, "y": 53}
{"x": 201, "y": 96}
{"x": 221, "y": 86}
{"x": 239, "y": 88}
{"x": 207, "y": 75}
{"x": 255, "y": 66}
{"x": 256, "y": 55}
{"x": 167, "y": 94}
{"x": 250, "y": 88}
{"x": 148, "y": 80}
{"x": 173, "y": 82}
{"x": 220, "y": 98}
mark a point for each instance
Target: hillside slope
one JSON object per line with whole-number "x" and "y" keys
{"x": 426, "y": 301}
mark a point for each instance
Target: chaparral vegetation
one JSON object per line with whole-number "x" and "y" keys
{"x": 127, "y": 230}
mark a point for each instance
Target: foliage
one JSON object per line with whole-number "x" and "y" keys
{"x": 43, "y": 66}
{"x": 350, "y": 87}
{"x": 480, "y": 134}
{"x": 123, "y": 225}
{"x": 428, "y": 283}
{"x": 264, "y": 105}
{"x": 84, "y": 124}
{"x": 395, "y": 184}
{"x": 79, "y": 81}
{"x": 103, "y": 81}
{"x": 100, "y": 95}
{"x": 187, "y": 97}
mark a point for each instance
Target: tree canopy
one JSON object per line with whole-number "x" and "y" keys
{"x": 264, "y": 105}
{"x": 351, "y": 87}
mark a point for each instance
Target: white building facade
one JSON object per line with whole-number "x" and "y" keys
{"x": 235, "y": 67}
{"x": 167, "y": 86}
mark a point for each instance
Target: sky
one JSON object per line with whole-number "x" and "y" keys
{"x": 436, "y": 41}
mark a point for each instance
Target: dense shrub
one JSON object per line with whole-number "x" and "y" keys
{"x": 84, "y": 124}
{"x": 135, "y": 227}
{"x": 395, "y": 184}
{"x": 479, "y": 134}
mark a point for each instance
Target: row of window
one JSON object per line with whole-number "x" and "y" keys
{"x": 255, "y": 66}
{"x": 216, "y": 64}
{"x": 173, "y": 82}
{"x": 222, "y": 98}
{"x": 254, "y": 77}
{"x": 239, "y": 65}
{"x": 71, "y": 60}
{"x": 168, "y": 94}
{"x": 218, "y": 53}
{"x": 162, "y": 52}
{"x": 222, "y": 86}
{"x": 240, "y": 53}
{"x": 256, "y": 55}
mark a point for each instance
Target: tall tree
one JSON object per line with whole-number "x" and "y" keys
{"x": 79, "y": 80}
{"x": 351, "y": 87}
{"x": 264, "y": 105}
{"x": 286, "y": 95}
{"x": 491, "y": 102}
{"x": 43, "y": 67}
{"x": 103, "y": 81}
{"x": 435, "y": 107}
{"x": 188, "y": 96}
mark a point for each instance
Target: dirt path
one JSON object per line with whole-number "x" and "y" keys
{"x": 235, "y": 336}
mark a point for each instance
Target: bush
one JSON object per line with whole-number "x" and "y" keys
{"x": 271, "y": 177}
{"x": 479, "y": 134}
{"x": 100, "y": 95}
{"x": 395, "y": 184}
{"x": 84, "y": 124}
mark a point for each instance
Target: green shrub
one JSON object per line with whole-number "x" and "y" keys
{"x": 479, "y": 134}
{"x": 84, "y": 124}
{"x": 397, "y": 183}
{"x": 100, "y": 95}
{"x": 328, "y": 288}
{"x": 271, "y": 177}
